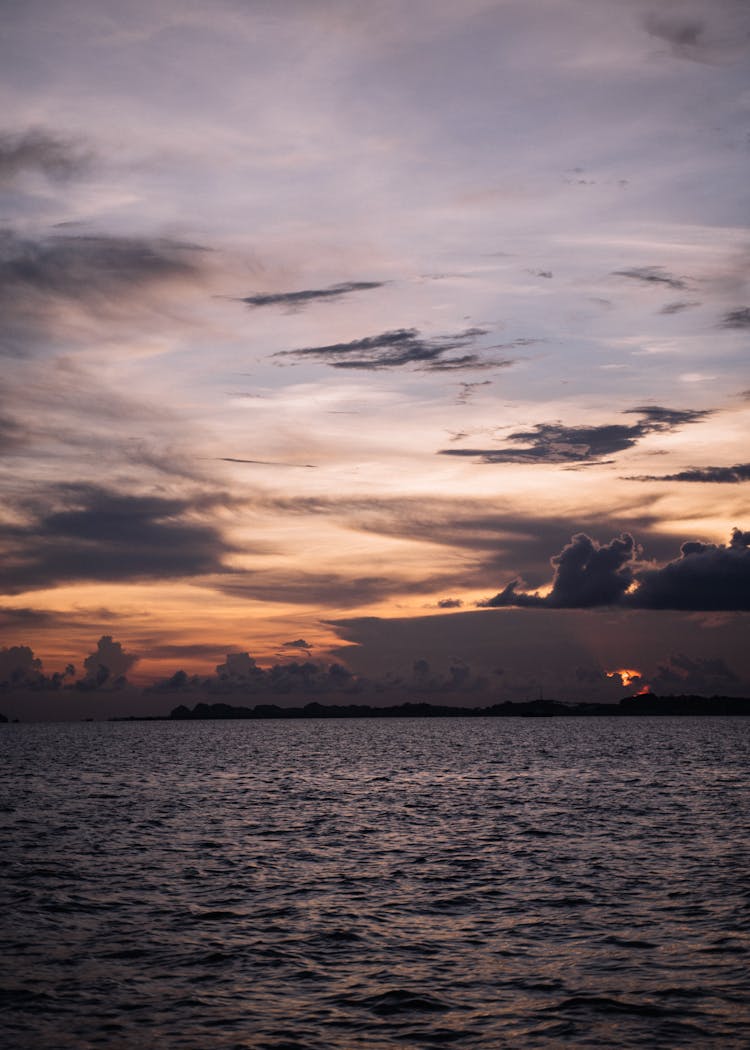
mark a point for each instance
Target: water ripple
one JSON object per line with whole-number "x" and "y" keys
{"x": 359, "y": 885}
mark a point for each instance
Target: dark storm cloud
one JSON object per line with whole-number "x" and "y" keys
{"x": 310, "y": 295}
{"x": 676, "y": 308}
{"x": 739, "y": 318}
{"x": 393, "y": 349}
{"x": 705, "y": 577}
{"x": 555, "y": 443}
{"x": 586, "y": 575}
{"x": 86, "y": 532}
{"x": 652, "y": 275}
{"x": 38, "y": 150}
{"x": 92, "y": 271}
{"x": 721, "y": 475}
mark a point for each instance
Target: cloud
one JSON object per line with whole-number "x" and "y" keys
{"x": 57, "y": 158}
{"x": 739, "y": 318}
{"x": 96, "y": 272}
{"x": 556, "y": 443}
{"x": 495, "y": 538}
{"x": 676, "y": 308}
{"x": 449, "y": 603}
{"x": 297, "y": 300}
{"x": 465, "y": 392}
{"x": 722, "y": 475}
{"x": 705, "y": 577}
{"x": 402, "y": 346}
{"x": 685, "y": 35}
{"x": 723, "y": 38}
{"x": 86, "y": 266}
{"x": 108, "y": 664}
{"x": 11, "y": 616}
{"x": 658, "y": 418}
{"x": 586, "y": 575}
{"x": 195, "y": 650}
{"x": 237, "y": 665}
{"x": 241, "y": 675}
{"x": 18, "y": 666}
{"x": 685, "y": 675}
{"x": 12, "y": 434}
{"x": 87, "y": 532}
{"x": 298, "y": 643}
{"x": 332, "y": 590}
{"x": 266, "y": 462}
{"x": 652, "y": 275}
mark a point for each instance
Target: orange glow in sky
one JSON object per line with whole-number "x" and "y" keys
{"x": 627, "y": 675}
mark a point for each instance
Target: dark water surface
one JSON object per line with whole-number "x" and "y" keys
{"x": 371, "y": 884}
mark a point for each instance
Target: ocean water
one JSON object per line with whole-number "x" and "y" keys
{"x": 374, "y": 884}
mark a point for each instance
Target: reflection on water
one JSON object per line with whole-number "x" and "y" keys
{"x": 368, "y": 884}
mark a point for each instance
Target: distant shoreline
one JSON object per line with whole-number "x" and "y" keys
{"x": 647, "y": 704}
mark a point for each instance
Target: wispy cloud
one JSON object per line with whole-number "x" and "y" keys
{"x": 400, "y": 347}
{"x": 266, "y": 462}
{"x": 722, "y": 475}
{"x": 40, "y": 277}
{"x": 297, "y": 300}
{"x": 652, "y": 275}
{"x": 42, "y": 151}
{"x": 677, "y": 308}
{"x": 739, "y": 318}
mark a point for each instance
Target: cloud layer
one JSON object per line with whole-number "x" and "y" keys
{"x": 86, "y": 532}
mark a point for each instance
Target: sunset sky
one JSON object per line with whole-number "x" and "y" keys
{"x": 327, "y": 324}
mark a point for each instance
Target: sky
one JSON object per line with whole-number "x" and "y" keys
{"x": 408, "y": 340}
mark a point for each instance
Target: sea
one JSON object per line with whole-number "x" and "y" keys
{"x": 375, "y": 883}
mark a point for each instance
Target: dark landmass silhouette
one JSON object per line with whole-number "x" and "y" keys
{"x": 641, "y": 704}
